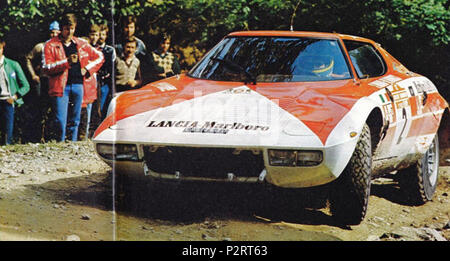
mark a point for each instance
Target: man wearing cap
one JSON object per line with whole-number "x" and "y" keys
{"x": 39, "y": 97}
{"x": 34, "y": 58}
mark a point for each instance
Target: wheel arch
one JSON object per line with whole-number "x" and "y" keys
{"x": 340, "y": 145}
{"x": 444, "y": 134}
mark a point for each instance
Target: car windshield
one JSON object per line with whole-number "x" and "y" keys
{"x": 273, "y": 59}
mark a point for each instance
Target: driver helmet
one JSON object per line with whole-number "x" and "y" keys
{"x": 323, "y": 66}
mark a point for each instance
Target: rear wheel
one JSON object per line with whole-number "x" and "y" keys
{"x": 349, "y": 195}
{"x": 419, "y": 181}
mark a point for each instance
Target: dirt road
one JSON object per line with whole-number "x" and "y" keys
{"x": 64, "y": 192}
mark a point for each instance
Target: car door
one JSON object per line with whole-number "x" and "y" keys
{"x": 391, "y": 94}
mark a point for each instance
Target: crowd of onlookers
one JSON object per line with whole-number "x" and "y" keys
{"x": 73, "y": 79}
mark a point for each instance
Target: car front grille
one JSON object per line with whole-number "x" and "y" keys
{"x": 215, "y": 163}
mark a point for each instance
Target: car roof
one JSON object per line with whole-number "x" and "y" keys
{"x": 300, "y": 34}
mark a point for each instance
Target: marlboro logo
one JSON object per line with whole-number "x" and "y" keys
{"x": 206, "y": 127}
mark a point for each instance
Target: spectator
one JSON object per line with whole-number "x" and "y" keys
{"x": 94, "y": 34}
{"x": 39, "y": 97}
{"x": 90, "y": 90}
{"x": 128, "y": 73}
{"x": 13, "y": 85}
{"x": 164, "y": 63}
{"x": 106, "y": 71}
{"x": 34, "y": 58}
{"x": 70, "y": 62}
{"x": 128, "y": 31}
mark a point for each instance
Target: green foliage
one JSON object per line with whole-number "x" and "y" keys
{"x": 36, "y": 15}
{"x": 417, "y": 32}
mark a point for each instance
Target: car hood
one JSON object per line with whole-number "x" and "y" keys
{"x": 187, "y": 110}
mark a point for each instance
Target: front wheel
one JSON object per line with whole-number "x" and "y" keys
{"x": 419, "y": 181}
{"x": 349, "y": 195}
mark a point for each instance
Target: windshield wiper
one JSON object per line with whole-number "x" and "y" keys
{"x": 236, "y": 67}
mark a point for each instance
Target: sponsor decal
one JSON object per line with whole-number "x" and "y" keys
{"x": 411, "y": 91}
{"x": 237, "y": 91}
{"x": 385, "y": 81}
{"x": 419, "y": 105}
{"x": 206, "y": 127}
{"x": 384, "y": 97}
{"x": 422, "y": 86}
{"x": 389, "y": 112}
{"x": 401, "y": 97}
{"x": 163, "y": 87}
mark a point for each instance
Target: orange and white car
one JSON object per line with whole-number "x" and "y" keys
{"x": 293, "y": 109}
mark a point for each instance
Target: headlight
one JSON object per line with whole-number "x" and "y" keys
{"x": 293, "y": 158}
{"x": 118, "y": 151}
{"x": 282, "y": 157}
{"x": 309, "y": 158}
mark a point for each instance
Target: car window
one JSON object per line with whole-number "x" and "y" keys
{"x": 366, "y": 59}
{"x": 274, "y": 59}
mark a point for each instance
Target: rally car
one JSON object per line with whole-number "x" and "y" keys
{"x": 292, "y": 109}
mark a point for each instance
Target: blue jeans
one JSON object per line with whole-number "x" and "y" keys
{"x": 68, "y": 116}
{"x": 88, "y": 117}
{"x": 7, "y": 120}
{"x": 105, "y": 92}
{"x": 105, "y": 99}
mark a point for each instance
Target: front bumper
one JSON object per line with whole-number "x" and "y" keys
{"x": 335, "y": 159}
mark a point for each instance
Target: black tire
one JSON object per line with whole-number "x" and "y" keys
{"x": 419, "y": 181}
{"x": 349, "y": 195}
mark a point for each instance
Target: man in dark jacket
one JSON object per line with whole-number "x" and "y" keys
{"x": 38, "y": 101}
{"x": 13, "y": 85}
{"x": 105, "y": 74}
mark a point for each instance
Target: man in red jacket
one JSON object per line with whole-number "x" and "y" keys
{"x": 70, "y": 62}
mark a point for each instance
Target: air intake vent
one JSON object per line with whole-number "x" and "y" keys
{"x": 204, "y": 162}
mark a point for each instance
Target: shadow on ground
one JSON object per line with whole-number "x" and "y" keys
{"x": 396, "y": 191}
{"x": 188, "y": 203}
{"x": 391, "y": 192}
{"x": 94, "y": 190}
{"x": 194, "y": 202}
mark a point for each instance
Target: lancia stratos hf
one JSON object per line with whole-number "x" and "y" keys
{"x": 290, "y": 109}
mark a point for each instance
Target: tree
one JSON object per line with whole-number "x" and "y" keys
{"x": 417, "y": 32}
